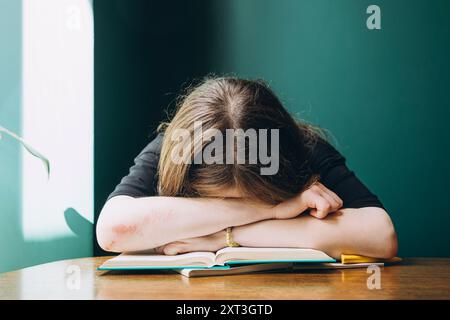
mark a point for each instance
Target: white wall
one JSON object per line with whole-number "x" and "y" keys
{"x": 46, "y": 95}
{"x": 57, "y": 114}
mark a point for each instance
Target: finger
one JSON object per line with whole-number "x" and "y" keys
{"x": 318, "y": 214}
{"x": 334, "y": 205}
{"x": 336, "y": 198}
{"x": 338, "y": 201}
{"x": 172, "y": 249}
{"x": 290, "y": 208}
{"x": 313, "y": 212}
{"x": 322, "y": 207}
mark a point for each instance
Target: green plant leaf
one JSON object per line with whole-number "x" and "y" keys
{"x": 27, "y": 147}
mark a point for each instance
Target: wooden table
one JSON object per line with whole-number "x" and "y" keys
{"x": 412, "y": 279}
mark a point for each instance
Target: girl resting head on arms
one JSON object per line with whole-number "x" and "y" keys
{"x": 233, "y": 156}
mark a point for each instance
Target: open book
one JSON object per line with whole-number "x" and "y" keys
{"x": 222, "y": 259}
{"x": 266, "y": 267}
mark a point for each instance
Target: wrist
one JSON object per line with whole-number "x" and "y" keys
{"x": 230, "y": 238}
{"x": 241, "y": 234}
{"x": 237, "y": 234}
{"x": 221, "y": 239}
{"x": 267, "y": 212}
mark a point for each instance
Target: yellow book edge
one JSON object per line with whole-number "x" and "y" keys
{"x": 354, "y": 258}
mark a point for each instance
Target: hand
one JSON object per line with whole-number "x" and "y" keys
{"x": 212, "y": 242}
{"x": 320, "y": 200}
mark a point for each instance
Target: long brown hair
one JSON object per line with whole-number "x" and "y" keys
{"x": 233, "y": 103}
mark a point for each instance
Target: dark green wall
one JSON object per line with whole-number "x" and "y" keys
{"x": 383, "y": 94}
{"x": 144, "y": 52}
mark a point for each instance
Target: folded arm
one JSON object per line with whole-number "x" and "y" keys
{"x": 176, "y": 225}
{"x": 134, "y": 224}
{"x": 365, "y": 231}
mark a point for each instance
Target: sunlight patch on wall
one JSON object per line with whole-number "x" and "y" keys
{"x": 57, "y": 114}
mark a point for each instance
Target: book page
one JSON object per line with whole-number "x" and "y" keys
{"x": 271, "y": 254}
{"x": 152, "y": 259}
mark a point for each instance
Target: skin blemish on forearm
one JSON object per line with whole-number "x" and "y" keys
{"x": 125, "y": 229}
{"x": 159, "y": 217}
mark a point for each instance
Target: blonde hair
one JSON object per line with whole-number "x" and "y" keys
{"x": 232, "y": 103}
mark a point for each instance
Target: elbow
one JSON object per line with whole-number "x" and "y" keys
{"x": 387, "y": 243}
{"x": 123, "y": 226}
{"x": 112, "y": 231}
{"x": 106, "y": 242}
{"x": 106, "y": 238}
{"x": 390, "y": 247}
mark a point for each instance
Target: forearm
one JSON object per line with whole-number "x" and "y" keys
{"x": 133, "y": 224}
{"x": 366, "y": 231}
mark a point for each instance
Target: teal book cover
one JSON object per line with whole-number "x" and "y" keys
{"x": 227, "y": 265}
{"x": 111, "y": 268}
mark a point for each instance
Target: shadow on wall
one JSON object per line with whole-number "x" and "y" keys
{"x": 35, "y": 252}
{"x": 41, "y": 251}
{"x": 70, "y": 235}
{"x": 17, "y": 252}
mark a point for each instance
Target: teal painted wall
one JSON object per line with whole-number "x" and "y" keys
{"x": 10, "y": 117}
{"x": 383, "y": 94}
{"x": 17, "y": 250}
